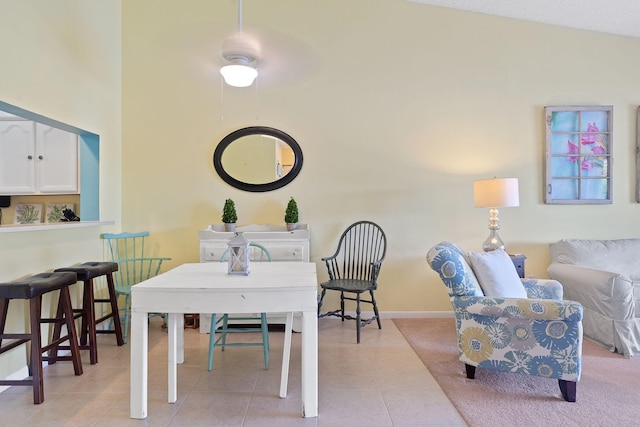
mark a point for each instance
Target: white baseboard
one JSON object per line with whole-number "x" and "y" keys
{"x": 403, "y": 314}
{"x": 415, "y": 314}
{"x": 21, "y": 374}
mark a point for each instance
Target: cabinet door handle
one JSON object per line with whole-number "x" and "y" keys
{"x": 40, "y": 157}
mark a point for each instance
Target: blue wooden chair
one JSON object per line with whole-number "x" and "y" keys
{"x": 128, "y": 250}
{"x": 221, "y": 325}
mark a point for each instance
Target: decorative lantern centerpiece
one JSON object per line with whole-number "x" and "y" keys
{"x": 238, "y": 255}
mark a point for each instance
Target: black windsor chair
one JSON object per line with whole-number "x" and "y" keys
{"x": 354, "y": 269}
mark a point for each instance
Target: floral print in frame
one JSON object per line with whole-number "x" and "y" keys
{"x": 578, "y": 155}
{"x": 28, "y": 213}
{"x": 55, "y": 211}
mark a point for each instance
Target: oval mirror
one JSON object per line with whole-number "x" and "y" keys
{"x": 258, "y": 158}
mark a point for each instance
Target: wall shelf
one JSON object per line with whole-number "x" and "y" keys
{"x": 19, "y": 228}
{"x": 88, "y": 151}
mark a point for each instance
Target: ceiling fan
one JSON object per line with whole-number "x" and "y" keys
{"x": 275, "y": 56}
{"x": 241, "y": 52}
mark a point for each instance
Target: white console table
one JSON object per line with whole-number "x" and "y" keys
{"x": 282, "y": 244}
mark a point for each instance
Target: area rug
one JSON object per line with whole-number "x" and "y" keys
{"x": 608, "y": 391}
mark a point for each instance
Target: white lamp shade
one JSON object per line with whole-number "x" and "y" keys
{"x": 239, "y": 75}
{"x": 495, "y": 193}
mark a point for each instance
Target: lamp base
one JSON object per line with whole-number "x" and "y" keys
{"x": 493, "y": 242}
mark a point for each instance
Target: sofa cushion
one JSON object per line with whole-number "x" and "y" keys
{"x": 497, "y": 274}
{"x": 620, "y": 256}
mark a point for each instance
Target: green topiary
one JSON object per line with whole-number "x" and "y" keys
{"x": 291, "y": 214}
{"x": 229, "y": 215}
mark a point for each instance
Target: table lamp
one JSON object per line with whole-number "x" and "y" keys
{"x": 495, "y": 193}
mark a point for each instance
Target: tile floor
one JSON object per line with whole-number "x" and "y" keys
{"x": 380, "y": 382}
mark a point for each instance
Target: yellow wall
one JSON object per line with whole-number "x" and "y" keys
{"x": 398, "y": 108}
{"x": 61, "y": 60}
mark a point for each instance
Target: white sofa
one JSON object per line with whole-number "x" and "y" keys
{"x": 604, "y": 276}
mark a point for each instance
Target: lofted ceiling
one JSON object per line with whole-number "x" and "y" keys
{"x": 620, "y": 17}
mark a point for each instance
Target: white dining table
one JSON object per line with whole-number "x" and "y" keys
{"x": 271, "y": 287}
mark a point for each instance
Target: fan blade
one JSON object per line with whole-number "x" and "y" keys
{"x": 283, "y": 59}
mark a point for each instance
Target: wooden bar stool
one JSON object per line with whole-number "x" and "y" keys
{"x": 32, "y": 289}
{"x": 86, "y": 272}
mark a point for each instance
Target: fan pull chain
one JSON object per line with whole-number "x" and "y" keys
{"x": 221, "y": 99}
{"x": 256, "y": 98}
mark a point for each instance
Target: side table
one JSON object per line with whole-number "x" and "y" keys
{"x": 518, "y": 261}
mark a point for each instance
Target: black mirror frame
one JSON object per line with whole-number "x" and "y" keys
{"x": 257, "y": 130}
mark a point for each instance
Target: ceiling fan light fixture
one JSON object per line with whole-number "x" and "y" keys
{"x": 239, "y": 72}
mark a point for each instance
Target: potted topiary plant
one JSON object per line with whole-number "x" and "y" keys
{"x": 229, "y": 216}
{"x": 291, "y": 215}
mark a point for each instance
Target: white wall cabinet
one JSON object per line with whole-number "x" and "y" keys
{"x": 37, "y": 159}
{"x": 282, "y": 244}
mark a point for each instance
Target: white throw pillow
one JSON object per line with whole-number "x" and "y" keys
{"x": 497, "y": 274}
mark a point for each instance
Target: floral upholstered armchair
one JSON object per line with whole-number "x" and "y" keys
{"x": 540, "y": 334}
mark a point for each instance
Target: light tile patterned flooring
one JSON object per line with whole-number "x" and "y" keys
{"x": 380, "y": 382}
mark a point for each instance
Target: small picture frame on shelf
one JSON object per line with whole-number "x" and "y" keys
{"x": 55, "y": 211}
{"x": 28, "y": 213}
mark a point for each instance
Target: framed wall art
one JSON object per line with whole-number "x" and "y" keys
{"x": 28, "y": 213}
{"x": 638, "y": 156}
{"x": 54, "y": 212}
{"x": 578, "y": 155}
